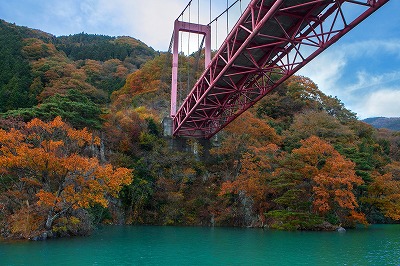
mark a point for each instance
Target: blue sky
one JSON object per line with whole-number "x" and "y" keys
{"x": 362, "y": 69}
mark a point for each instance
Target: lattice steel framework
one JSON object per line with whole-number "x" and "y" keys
{"x": 271, "y": 41}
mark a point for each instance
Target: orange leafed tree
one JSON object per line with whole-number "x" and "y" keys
{"x": 54, "y": 169}
{"x": 384, "y": 191}
{"x": 247, "y": 156}
{"x": 253, "y": 178}
{"x": 257, "y": 135}
{"x": 333, "y": 179}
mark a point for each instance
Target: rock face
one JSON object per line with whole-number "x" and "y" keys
{"x": 43, "y": 236}
{"x": 341, "y": 230}
{"x": 325, "y": 226}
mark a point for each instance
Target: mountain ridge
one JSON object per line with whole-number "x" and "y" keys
{"x": 392, "y": 123}
{"x": 36, "y": 65}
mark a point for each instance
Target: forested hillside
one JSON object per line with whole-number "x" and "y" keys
{"x": 392, "y": 123}
{"x": 81, "y": 143}
{"x": 36, "y": 66}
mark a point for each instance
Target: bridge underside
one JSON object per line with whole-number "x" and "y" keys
{"x": 271, "y": 41}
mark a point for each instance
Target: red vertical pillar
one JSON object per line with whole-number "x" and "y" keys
{"x": 175, "y": 55}
{"x": 192, "y": 28}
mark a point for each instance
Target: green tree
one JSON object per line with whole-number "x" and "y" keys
{"x": 15, "y": 71}
{"x": 74, "y": 107}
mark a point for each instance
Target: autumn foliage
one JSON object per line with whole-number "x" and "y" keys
{"x": 384, "y": 193}
{"x": 51, "y": 173}
{"x": 332, "y": 180}
{"x": 302, "y": 177}
{"x": 297, "y": 160}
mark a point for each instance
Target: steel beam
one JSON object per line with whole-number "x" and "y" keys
{"x": 272, "y": 40}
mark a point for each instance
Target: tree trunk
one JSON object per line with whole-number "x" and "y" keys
{"x": 102, "y": 148}
{"x": 49, "y": 221}
{"x": 51, "y": 217}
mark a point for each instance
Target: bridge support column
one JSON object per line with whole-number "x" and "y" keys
{"x": 192, "y": 28}
{"x": 167, "y": 126}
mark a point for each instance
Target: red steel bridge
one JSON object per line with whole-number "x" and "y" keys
{"x": 270, "y": 42}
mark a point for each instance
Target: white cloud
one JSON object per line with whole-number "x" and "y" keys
{"x": 375, "y": 95}
{"x": 368, "y": 81}
{"x": 328, "y": 67}
{"x": 372, "y": 48}
{"x": 93, "y": 12}
{"x": 384, "y": 102}
{"x": 370, "y": 92}
{"x": 326, "y": 70}
{"x": 150, "y": 21}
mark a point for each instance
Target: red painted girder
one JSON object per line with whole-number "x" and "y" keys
{"x": 271, "y": 41}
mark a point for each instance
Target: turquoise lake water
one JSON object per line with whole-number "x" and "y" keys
{"x": 152, "y": 245}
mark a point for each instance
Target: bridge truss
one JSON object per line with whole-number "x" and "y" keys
{"x": 271, "y": 41}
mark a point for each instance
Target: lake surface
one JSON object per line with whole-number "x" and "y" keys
{"x": 152, "y": 245}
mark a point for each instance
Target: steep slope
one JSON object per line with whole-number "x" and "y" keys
{"x": 36, "y": 67}
{"x": 297, "y": 160}
{"x": 15, "y": 71}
